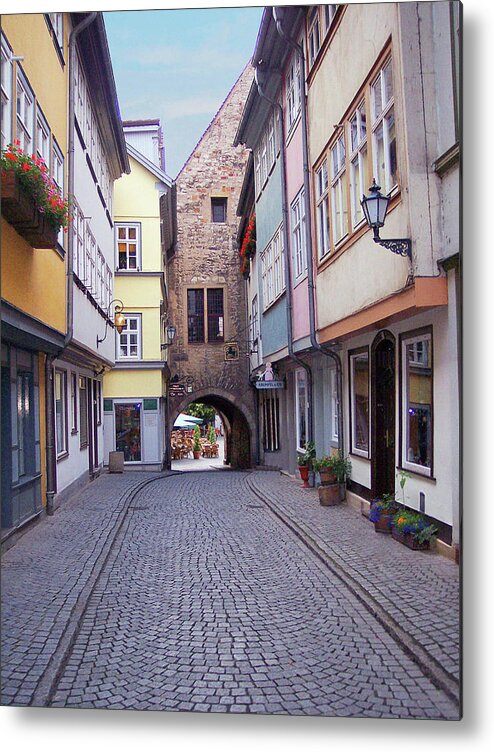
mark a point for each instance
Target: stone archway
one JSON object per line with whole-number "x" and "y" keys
{"x": 239, "y": 422}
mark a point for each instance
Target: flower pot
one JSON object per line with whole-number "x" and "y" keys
{"x": 330, "y": 495}
{"x": 327, "y": 476}
{"x": 304, "y": 474}
{"x": 197, "y": 455}
{"x": 20, "y": 211}
{"x": 383, "y": 524}
{"x": 409, "y": 541}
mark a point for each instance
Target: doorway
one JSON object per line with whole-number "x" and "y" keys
{"x": 128, "y": 430}
{"x": 383, "y": 414}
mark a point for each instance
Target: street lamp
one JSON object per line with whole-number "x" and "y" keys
{"x": 119, "y": 320}
{"x": 375, "y": 208}
{"x": 170, "y": 335}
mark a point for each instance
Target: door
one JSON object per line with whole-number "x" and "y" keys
{"x": 383, "y": 414}
{"x": 128, "y": 430}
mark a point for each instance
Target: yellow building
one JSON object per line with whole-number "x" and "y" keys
{"x": 34, "y": 86}
{"x": 134, "y": 390}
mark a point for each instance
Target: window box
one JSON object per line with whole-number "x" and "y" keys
{"x": 20, "y": 211}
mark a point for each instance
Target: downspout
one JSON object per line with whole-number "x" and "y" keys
{"x": 288, "y": 272}
{"x": 49, "y": 401}
{"x": 278, "y": 19}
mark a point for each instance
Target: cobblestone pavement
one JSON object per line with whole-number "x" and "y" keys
{"x": 207, "y": 601}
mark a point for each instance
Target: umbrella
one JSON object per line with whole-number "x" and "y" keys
{"x": 182, "y": 423}
{"x": 191, "y": 418}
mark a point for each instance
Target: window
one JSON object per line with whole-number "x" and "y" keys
{"x": 265, "y": 152}
{"x": 359, "y": 402}
{"x": 100, "y": 280}
{"x": 61, "y": 412}
{"x": 25, "y": 423}
{"x": 417, "y": 412}
{"x": 78, "y": 249}
{"x": 322, "y": 210}
{"x": 195, "y": 315}
{"x": 358, "y": 162}
{"x": 329, "y": 12}
{"x": 301, "y": 407}
{"x": 128, "y": 246}
{"x": 293, "y": 91}
{"x": 57, "y": 165}
{"x": 129, "y": 341}
{"x": 218, "y": 209}
{"x": 73, "y": 401}
{"x": 83, "y": 432}
{"x": 25, "y": 114}
{"x": 338, "y": 191}
{"x": 383, "y": 129}
{"x": 98, "y": 402}
{"x": 42, "y": 138}
{"x": 254, "y": 324}
{"x": 6, "y": 90}
{"x": 335, "y": 407}
{"x": 56, "y": 21}
{"x": 271, "y": 422}
{"x": 90, "y": 261}
{"x": 210, "y": 329}
{"x": 273, "y": 269}
{"x": 215, "y": 315}
{"x": 298, "y": 234}
{"x": 314, "y": 34}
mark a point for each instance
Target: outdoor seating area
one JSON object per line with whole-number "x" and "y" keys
{"x": 182, "y": 443}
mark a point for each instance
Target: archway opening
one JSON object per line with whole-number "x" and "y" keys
{"x": 224, "y": 434}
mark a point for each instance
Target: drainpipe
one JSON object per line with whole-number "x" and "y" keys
{"x": 288, "y": 271}
{"x": 49, "y": 402}
{"x": 278, "y": 19}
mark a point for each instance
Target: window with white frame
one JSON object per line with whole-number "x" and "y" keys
{"x": 265, "y": 152}
{"x": 108, "y": 287}
{"x": 90, "y": 261}
{"x": 128, "y": 242}
{"x": 83, "y": 413}
{"x": 329, "y": 12}
{"x": 129, "y": 341}
{"x": 338, "y": 190}
{"x": 78, "y": 250}
{"x": 383, "y": 129}
{"x": 6, "y": 95}
{"x": 254, "y": 324}
{"x": 322, "y": 210}
{"x": 100, "y": 279}
{"x": 358, "y": 161}
{"x": 24, "y": 113}
{"x": 314, "y": 34}
{"x": 298, "y": 234}
{"x": 293, "y": 91}
{"x": 42, "y": 138}
{"x": 56, "y": 20}
{"x": 301, "y": 408}
{"x": 73, "y": 401}
{"x": 417, "y": 407}
{"x": 271, "y": 422}
{"x": 359, "y": 401}
{"x": 61, "y": 412}
{"x": 273, "y": 269}
{"x": 57, "y": 165}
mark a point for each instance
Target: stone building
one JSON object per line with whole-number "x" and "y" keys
{"x": 209, "y": 356}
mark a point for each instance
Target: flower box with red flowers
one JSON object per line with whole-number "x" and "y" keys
{"x": 31, "y": 201}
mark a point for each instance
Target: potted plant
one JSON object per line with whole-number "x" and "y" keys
{"x": 412, "y": 529}
{"x": 382, "y": 512}
{"x": 305, "y": 461}
{"x": 211, "y": 434}
{"x": 196, "y": 449}
{"x": 325, "y": 469}
{"x": 334, "y": 492}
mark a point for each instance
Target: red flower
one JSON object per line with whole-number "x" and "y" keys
{"x": 11, "y": 156}
{"x": 26, "y": 167}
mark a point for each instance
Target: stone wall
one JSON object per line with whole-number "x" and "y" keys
{"x": 206, "y": 255}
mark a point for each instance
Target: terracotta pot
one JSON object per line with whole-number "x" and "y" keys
{"x": 329, "y": 496}
{"x": 383, "y": 524}
{"x": 197, "y": 455}
{"x": 304, "y": 474}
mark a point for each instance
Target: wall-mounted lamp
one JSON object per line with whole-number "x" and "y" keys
{"x": 119, "y": 320}
{"x": 375, "y": 207}
{"x": 170, "y": 334}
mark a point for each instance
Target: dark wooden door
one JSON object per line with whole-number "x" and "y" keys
{"x": 383, "y": 418}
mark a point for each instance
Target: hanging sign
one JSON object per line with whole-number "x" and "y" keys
{"x": 231, "y": 351}
{"x": 270, "y": 384}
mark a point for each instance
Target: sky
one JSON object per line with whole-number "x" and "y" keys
{"x": 178, "y": 66}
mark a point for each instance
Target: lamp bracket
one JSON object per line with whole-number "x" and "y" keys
{"x": 400, "y": 246}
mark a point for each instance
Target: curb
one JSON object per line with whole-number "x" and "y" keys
{"x": 48, "y": 681}
{"x": 426, "y": 662}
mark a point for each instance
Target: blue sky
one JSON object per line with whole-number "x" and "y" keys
{"x": 179, "y": 65}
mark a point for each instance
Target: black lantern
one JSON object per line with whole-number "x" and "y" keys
{"x": 375, "y": 207}
{"x": 170, "y": 334}
{"x": 118, "y": 322}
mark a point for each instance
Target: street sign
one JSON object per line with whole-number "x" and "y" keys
{"x": 176, "y": 390}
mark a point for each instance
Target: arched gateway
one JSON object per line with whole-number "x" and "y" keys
{"x": 237, "y": 417}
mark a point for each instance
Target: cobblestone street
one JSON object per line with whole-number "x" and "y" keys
{"x": 225, "y": 592}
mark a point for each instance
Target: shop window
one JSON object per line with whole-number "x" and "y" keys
{"x": 271, "y": 422}
{"x": 417, "y": 405}
{"x": 83, "y": 423}
{"x": 359, "y": 402}
{"x": 61, "y": 412}
{"x": 301, "y": 408}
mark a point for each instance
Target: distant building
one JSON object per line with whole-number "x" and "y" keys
{"x": 135, "y": 388}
